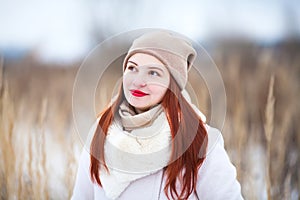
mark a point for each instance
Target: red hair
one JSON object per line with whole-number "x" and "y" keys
{"x": 189, "y": 142}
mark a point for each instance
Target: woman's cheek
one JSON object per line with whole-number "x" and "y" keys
{"x": 126, "y": 81}
{"x": 158, "y": 90}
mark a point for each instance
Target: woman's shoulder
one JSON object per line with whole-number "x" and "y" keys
{"x": 214, "y": 135}
{"x": 217, "y": 173}
{"x": 215, "y": 138}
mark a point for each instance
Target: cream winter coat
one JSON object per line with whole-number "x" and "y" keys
{"x": 216, "y": 177}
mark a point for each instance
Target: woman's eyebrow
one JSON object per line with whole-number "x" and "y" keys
{"x": 151, "y": 67}
{"x": 132, "y": 62}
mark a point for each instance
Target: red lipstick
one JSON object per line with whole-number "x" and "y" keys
{"x": 138, "y": 93}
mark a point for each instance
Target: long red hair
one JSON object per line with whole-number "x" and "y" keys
{"x": 189, "y": 142}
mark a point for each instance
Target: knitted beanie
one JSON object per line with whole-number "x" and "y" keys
{"x": 175, "y": 52}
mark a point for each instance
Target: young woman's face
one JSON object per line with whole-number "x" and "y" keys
{"x": 145, "y": 81}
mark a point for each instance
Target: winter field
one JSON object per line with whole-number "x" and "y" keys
{"x": 39, "y": 147}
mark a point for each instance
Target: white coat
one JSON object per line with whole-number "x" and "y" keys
{"x": 216, "y": 178}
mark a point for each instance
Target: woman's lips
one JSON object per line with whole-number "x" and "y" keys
{"x": 138, "y": 93}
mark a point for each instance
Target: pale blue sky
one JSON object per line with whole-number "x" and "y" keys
{"x": 62, "y": 29}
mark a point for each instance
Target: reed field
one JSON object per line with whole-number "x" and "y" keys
{"x": 39, "y": 145}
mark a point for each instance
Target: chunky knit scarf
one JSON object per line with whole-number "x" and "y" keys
{"x": 136, "y": 146}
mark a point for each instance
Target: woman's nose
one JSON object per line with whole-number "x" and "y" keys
{"x": 139, "y": 81}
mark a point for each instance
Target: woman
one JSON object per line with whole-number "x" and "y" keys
{"x": 151, "y": 142}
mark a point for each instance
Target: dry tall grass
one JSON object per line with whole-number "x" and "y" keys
{"x": 269, "y": 126}
{"x": 37, "y": 145}
{"x": 39, "y": 148}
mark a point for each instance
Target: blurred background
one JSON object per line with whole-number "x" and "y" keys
{"x": 255, "y": 44}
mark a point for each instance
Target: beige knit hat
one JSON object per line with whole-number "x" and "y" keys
{"x": 175, "y": 52}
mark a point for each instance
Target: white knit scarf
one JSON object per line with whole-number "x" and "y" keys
{"x": 136, "y": 146}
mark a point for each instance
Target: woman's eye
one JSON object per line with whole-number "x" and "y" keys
{"x": 131, "y": 68}
{"x": 154, "y": 73}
